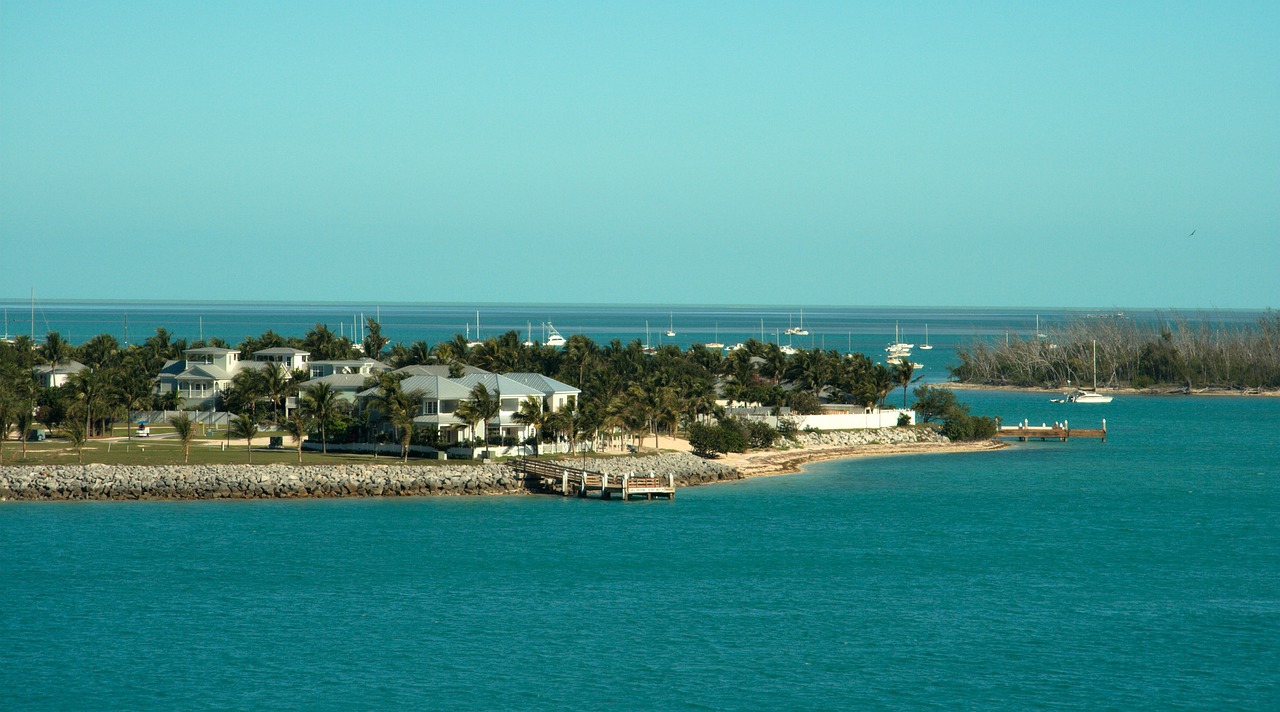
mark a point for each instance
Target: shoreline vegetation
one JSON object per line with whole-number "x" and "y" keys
{"x": 1167, "y": 356}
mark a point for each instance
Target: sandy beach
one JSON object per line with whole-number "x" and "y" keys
{"x": 767, "y": 463}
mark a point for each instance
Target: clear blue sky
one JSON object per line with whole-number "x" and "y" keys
{"x": 917, "y": 153}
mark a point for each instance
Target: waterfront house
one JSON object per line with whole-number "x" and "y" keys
{"x": 54, "y": 376}
{"x": 439, "y": 397}
{"x": 283, "y": 357}
{"x": 199, "y": 376}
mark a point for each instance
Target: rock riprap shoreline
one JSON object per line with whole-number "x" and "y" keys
{"x": 92, "y": 482}
{"x": 881, "y": 436}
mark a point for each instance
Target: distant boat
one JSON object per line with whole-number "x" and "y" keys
{"x": 553, "y": 337}
{"x": 671, "y": 329}
{"x": 716, "y": 344}
{"x": 797, "y": 330}
{"x": 6, "y": 338}
{"x": 898, "y": 347}
{"x": 471, "y": 344}
{"x": 528, "y": 336}
{"x": 897, "y": 359}
{"x": 926, "y": 346}
{"x": 789, "y": 350}
{"x": 1093, "y": 396}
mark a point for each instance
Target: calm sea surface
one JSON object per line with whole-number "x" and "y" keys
{"x": 1139, "y": 574}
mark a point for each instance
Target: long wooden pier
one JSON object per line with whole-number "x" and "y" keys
{"x": 567, "y": 481}
{"x": 1058, "y": 431}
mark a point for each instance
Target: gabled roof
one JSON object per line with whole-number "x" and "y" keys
{"x": 280, "y": 351}
{"x": 434, "y": 387}
{"x": 543, "y": 383}
{"x": 437, "y": 370}
{"x": 204, "y": 372}
{"x": 211, "y": 350}
{"x": 339, "y": 381}
{"x": 502, "y": 384}
{"x": 172, "y": 367}
{"x": 352, "y": 362}
{"x": 63, "y": 368}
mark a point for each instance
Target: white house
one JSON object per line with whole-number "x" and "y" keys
{"x": 284, "y": 357}
{"x": 440, "y": 396}
{"x": 54, "y": 376}
{"x": 200, "y": 375}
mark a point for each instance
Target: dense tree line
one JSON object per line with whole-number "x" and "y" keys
{"x": 1165, "y": 353}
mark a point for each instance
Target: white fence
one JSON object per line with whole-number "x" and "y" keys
{"x": 212, "y": 418}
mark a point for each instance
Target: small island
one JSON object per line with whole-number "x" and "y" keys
{"x": 319, "y": 416}
{"x": 1172, "y": 355}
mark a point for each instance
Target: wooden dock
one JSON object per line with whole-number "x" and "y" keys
{"x": 1058, "y": 431}
{"x": 567, "y": 481}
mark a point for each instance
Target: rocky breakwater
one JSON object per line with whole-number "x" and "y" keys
{"x": 78, "y": 482}
{"x": 880, "y": 436}
{"x": 687, "y": 469}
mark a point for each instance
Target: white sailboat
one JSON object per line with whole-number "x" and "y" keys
{"x": 671, "y": 328}
{"x": 797, "y": 330}
{"x": 716, "y": 344}
{"x": 6, "y": 338}
{"x": 528, "y": 334}
{"x": 472, "y": 343}
{"x": 898, "y": 347}
{"x": 926, "y": 346}
{"x": 1093, "y": 396}
{"x": 647, "y": 348}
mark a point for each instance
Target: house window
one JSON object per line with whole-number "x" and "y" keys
{"x": 430, "y": 407}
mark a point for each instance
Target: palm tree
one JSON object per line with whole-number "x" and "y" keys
{"x": 9, "y": 407}
{"x": 374, "y": 341}
{"x": 568, "y": 420}
{"x": 397, "y": 407}
{"x": 483, "y": 407}
{"x": 243, "y": 426}
{"x": 401, "y": 418}
{"x": 902, "y": 373}
{"x": 185, "y": 428}
{"x": 455, "y": 349}
{"x": 24, "y": 421}
{"x": 323, "y": 404}
{"x": 533, "y": 414}
{"x": 135, "y": 393}
{"x": 91, "y": 386}
{"x": 297, "y": 425}
{"x": 55, "y": 349}
{"x": 275, "y": 384}
{"x": 75, "y": 431}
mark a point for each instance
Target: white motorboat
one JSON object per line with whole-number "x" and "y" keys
{"x": 553, "y": 337}
{"x": 1088, "y": 397}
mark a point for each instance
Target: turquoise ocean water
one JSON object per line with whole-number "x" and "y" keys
{"x": 1139, "y": 574}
